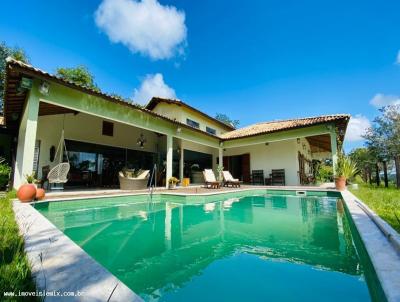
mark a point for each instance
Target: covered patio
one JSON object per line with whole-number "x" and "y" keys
{"x": 102, "y": 133}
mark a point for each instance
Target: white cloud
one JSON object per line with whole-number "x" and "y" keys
{"x": 380, "y": 100}
{"x": 153, "y": 85}
{"x": 145, "y": 26}
{"x": 357, "y": 127}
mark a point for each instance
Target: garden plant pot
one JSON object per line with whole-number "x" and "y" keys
{"x": 172, "y": 186}
{"x": 40, "y": 194}
{"x": 26, "y": 193}
{"x": 340, "y": 183}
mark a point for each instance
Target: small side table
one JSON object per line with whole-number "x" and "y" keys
{"x": 185, "y": 182}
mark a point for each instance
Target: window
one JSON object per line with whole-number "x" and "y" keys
{"x": 211, "y": 130}
{"x": 192, "y": 123}
{"x": 108, "y": 128}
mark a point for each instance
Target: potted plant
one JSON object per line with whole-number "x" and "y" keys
{"x": 27, "y": 192}
{"x": 172, "y": 181}
{"x": 345, "y": 170}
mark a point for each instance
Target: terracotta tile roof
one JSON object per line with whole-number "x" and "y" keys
{"x": 276, "y": 126}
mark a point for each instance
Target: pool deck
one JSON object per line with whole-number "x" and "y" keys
{"x": 57, "y": 261}
{"x": 192, "y": 190}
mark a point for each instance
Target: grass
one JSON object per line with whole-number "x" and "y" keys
{"x": 383, "y": 201}
{"x": 15, "y": 272}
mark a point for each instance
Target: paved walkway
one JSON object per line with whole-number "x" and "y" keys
{"x": 192, "y": 190}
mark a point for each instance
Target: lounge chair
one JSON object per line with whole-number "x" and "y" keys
{"x": 134, "y": 183}
{"x": 209, "y": 179}
{"x": 229, "y": 180}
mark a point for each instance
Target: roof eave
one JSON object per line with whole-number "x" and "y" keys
{"x": 345, "y": 118}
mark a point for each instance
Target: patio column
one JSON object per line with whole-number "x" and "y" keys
{"x": 169, "y": 158}
{"x": 220, "y": 160}
{"x": 334, "y": 149}
{"x": 181, "y": 162}
{"x": 26, "y": 140}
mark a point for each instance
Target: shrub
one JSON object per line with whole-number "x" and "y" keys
{"x": 5, "y": 171}
{"x": 324, "y": 173}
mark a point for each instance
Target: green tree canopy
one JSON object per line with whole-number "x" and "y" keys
{"x": 7, "y": 51}
{"x": 79, "y": 75}
{"x": 227, "y": 120}
{"x": 383, "y": 138}
{"x": 365, "y": 161}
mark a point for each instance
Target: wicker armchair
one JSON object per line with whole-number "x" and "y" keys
{"x": 134, "y": 183}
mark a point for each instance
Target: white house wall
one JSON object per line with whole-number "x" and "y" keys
{"x": 275, "y": 155}
{"x": 181, "y": 113}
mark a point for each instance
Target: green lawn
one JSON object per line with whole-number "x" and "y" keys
{"x": 384, "y": 201}
{"x": 15, "y": 272}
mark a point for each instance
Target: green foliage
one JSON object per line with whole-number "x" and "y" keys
{"x": 324, "y": 173}
{"x": 227, "y": 120}
{"x": 15, "y": 271}
{"x": 5, "y": 171}
{"x": 346, "y": 167}
{"x": 79, "y": 75}
{"x": 7, "y": 51}
{"x": 383, "y": 138}
{"x": 31, "y": 178}
{"x": 173, "y": 180}
{"x": 365, "y": 161}
{"x": 384, "y": 201}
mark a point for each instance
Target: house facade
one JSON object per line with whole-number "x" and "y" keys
{"x": 104, "y": 134}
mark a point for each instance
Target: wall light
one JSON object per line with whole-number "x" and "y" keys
{"x": 44, "y": 88}
{"x": 141, "y": 141}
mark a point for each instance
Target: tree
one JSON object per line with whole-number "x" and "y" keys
{"x": 383, "y": 138}
{"x": 365, "y": 162}
{"x": 79, "y": 75}
{"x": 7, "y": 51}
{"x": 227, "y": 120}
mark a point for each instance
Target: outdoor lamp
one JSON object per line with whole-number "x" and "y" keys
{"x": 44, "y": 88}
{"x": 141, "y": 141}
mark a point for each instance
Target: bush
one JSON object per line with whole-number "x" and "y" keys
{"x": 324, "y": 173}
{"x": 5, "y": 171}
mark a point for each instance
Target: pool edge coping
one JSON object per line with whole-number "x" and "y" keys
{"x": 388, "y": 271}
{"x": 176, "y": 193}
{"x": 383, "y": 253}
{"x": 56, "y": 262}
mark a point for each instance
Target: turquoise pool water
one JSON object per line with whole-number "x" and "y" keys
{"x": 257, "y": 247}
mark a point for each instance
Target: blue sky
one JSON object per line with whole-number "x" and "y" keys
{"x": 253, "y": 60}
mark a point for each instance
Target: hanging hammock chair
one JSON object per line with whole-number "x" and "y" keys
{"x": 58, "y": 174}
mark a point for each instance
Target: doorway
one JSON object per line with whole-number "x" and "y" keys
{"x": 239, "y": 166}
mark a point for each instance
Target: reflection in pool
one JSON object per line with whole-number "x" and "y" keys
{"x": 253, "y": 248}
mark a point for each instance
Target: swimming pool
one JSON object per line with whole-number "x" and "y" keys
{"x": 254, "y": 246}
